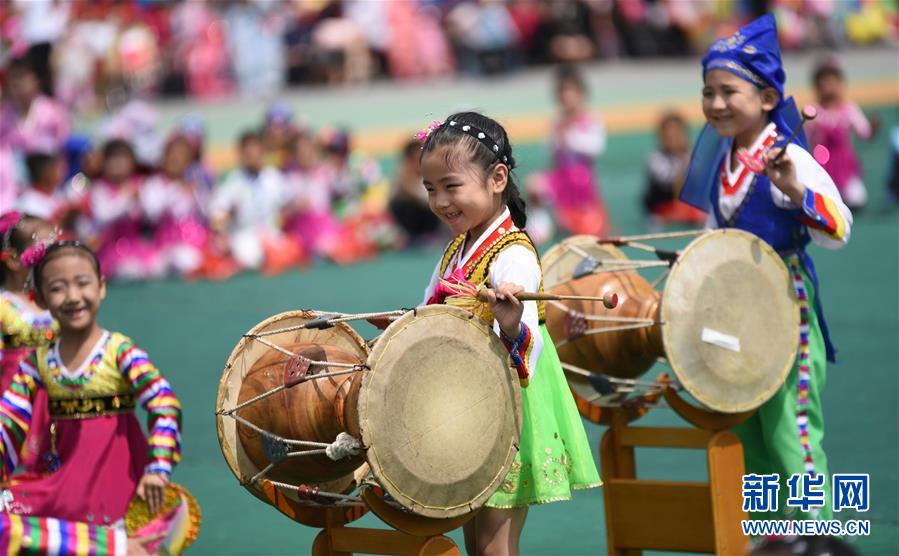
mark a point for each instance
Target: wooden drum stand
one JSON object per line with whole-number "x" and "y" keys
{"x": 410, "y": 534}
{"x": 672, "y": 515}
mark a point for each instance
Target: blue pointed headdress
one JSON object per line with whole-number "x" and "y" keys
{"x": 752, "y": 54}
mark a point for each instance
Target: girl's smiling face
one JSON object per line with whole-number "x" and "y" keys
{"x": 460, "y": 195}
{"x": 71, "y": 289}
{"x": 735, "y": 107}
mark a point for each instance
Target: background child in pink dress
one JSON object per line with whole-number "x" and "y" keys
{"x": 307, "y": 215}
{"x": 116, "y": 217}
{"x": 578, "y": 139}
{"x": 838, "y": 118}
{"x": 174, "y": 205}
{"x": 30, "y": 121}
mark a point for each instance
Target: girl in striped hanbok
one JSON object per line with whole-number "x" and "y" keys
{"x": 98, "y": 457}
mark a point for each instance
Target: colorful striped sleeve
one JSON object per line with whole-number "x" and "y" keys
{"x": 520, "y": 351}
{"x": 15, "y": 414}
{"x": 821, "y": 213}
{"x": 49, "y": 536}
{"x": 163, "y": 409}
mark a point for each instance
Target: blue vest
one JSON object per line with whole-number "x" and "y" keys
{"x": 779, "y": 228}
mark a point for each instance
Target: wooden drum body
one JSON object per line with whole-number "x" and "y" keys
{"x": 320, "y": 407}
{"x": 727, "y": 319}
{"x": 433, "y": 412}
{"x": 619, "y": 353}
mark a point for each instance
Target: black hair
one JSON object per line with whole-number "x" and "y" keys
{"x": 337, "y": 141}
{"x": 21, "y": 65}
{"x": 480, "y": 154}
{"x": 38, "y": 165}
{"x": 412, "y": 146}
{"x": 17, "y": 239}
{"x": 672, "y": 117}
{"x": 569, "y": 73}
{"x": 178, "y": 139}
{"x": 54, "y": 249}
{"x": 248, "y": 136}
{"x": 827, "y": 69}
{"x": 115, "y": 147}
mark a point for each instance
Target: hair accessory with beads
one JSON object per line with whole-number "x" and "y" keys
{"x": 34, "y": 254}
{"x": 482, "y": 137}
{"x": 426, "y": 132}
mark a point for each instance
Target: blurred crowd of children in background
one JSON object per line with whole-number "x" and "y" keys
{"x": 150, "y": 206}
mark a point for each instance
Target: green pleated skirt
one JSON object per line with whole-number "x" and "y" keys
{"x": 554, "y": 457}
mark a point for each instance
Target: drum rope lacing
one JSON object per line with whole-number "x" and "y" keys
{"x": 326, "y": 320}
{"x": 601, "y": 318}
{"x": 350, "y": 368}
{"x": 615, "y": 265}
{"x": 345, "y": 445}
{"x": 627, "y": 323}
{"x": 310, "y": 493}
{"x": 614, "y": 389}
{"x": 278, "y": 448}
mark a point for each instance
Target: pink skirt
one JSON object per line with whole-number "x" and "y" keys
{"x": 181, "y": 244}
{"x": 123, "y": 253}
{"x": 572, "y": 185}
{"x": 579, "y": 209}
{"x": 102, "y": 461}
{"x": 315, "y": 231}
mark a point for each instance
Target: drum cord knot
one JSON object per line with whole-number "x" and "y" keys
{"x": 343, "y": 446}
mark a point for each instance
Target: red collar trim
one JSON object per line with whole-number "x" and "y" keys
{"x": 504, "y": 228}
{"x": 732, "y": 188}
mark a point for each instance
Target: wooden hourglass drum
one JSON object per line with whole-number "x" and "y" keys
{"x": 430, "y": 415}
{"x": 726, "y": 319}
{"x": 723, "y": 314}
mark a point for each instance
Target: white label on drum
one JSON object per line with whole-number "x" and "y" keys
{"x": 721, "y": 339}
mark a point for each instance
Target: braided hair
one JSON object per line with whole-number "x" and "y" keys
{"x": 486, "y": 144}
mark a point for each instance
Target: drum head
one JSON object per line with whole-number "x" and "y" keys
{"x": 561, "y": 261}
{"x": 242, "y": 358}
{"x": 440, "y": 411}
{"x": 730, "y": 320}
